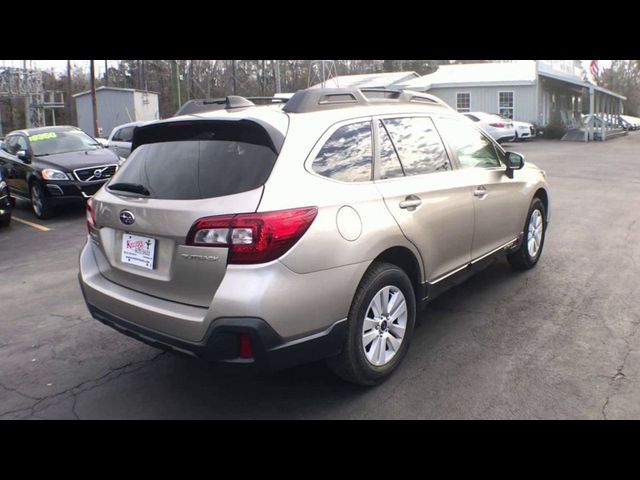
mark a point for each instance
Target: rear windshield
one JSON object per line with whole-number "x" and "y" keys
{"x": 221, "y": 160}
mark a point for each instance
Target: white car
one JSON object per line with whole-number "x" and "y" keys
{"x": 632, "y": 122}
{"x": 523, "y": 129}
{"x": 499, "y": 129}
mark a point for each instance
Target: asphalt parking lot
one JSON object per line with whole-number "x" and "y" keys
{"x": 559, "y": 341}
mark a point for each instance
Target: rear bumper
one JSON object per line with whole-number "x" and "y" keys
{"x": 222, "y": 342}
{"x": 212, "y": 333}
{"x": 510, "y": 138}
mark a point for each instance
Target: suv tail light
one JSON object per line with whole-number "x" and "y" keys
{"x": 497, "y": 125}
{"x": 91, "y": 216}
{"x": 253, "y": 237}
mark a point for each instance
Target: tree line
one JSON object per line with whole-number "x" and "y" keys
{"x": 218, "y": 78}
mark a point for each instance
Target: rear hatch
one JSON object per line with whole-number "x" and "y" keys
{"x": 181, "y": 171}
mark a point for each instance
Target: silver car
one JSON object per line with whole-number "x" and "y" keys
{"x": 120, "y": 138}
{"x": 269, "y": 236}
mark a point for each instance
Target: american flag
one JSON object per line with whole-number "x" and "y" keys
{"x": 594, "y": 68}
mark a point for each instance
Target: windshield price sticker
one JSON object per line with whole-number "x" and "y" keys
{"x": 42, "y": 136}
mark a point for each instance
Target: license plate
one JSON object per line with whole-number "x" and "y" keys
{"x": 138, "y": 251}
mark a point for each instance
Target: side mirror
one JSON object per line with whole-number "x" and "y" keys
{"x": 24, "y": 155}
{"x": 515, "y": 161}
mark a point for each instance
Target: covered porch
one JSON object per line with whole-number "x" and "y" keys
{"x": 580, "y": 110}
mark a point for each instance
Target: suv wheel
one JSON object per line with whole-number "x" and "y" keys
{"x": 381, "y": 321}
{"x": 39, "y": 202}
{"x": 534, "y": 232}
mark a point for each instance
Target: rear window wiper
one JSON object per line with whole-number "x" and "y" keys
{"x": 130, "y": 187}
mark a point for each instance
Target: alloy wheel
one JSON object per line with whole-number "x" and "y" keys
{"x": 36, "y": 199}
{"x": 534, "y": 234}
{"x": 384, "y": 325}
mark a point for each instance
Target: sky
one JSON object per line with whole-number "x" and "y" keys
{"x": 60, "y": 66}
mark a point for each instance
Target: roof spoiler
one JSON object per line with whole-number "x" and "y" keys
{"x": 225, "y": 103}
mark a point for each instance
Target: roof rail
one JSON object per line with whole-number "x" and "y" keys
{"x": 267, "y": 100}
{"x": 316, "y": 99}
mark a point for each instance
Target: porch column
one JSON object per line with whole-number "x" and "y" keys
{"x": 591, "y": 112}
{"x": 603, "y": 128}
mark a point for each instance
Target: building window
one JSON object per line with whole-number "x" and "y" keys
{"x": 505, "y": 104}
{"x": 463, "y": 102}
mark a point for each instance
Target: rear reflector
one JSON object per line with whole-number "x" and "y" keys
{"x": 253, "y": 237}
{"x": 245, "y": 346}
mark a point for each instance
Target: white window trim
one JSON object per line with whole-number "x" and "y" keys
{"x": 513, "y": 102}
{"x": 463, "y": 93}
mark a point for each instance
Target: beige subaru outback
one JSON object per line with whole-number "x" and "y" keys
{"x": 313, "y": 229}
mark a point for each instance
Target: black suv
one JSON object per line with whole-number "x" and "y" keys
{"x": 54, "y": 165}
{"x": 6, "y": 203}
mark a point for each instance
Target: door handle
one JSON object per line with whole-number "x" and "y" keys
{"x": 411, "y": 202}
{"x": 480, "y": 192}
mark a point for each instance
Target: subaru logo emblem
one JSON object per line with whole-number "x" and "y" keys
{"x": 127, "y": 217}
{"x": 97, "y": 173}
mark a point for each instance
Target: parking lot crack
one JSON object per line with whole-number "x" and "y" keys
{"x": 14, "y": 390}
{"x": 84, "y": 386}
{"x": 626, "y": 238}
{"x": 619, "y": 376}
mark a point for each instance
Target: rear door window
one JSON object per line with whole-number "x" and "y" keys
{"x": 347, "y": 155}
{"x": 418, "y": 144}
{"x": 201, "y": 161}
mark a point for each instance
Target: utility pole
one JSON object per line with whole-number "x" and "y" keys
{"x": 175, "y": 79}
{"x": 190, "y": 80}
{"x": 139, "y": 68}
{"x": 276, "y": 73}
{"x": 106, "y": 74}
{"x": 27, "y": 99}
{"x": 144, "y": 75}
{"x": 233, "y": 76}
{"x": 93, "y": 100}
{"x": 69, "y": 106}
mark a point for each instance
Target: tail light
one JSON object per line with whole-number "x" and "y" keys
{"x": 91, "y": 216}
{"x": 497, "y": 125}
{"x": 253, "y": 237}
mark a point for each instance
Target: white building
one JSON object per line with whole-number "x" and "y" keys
{"x": 542, "y": 92}
{"x": 115, "y": 106}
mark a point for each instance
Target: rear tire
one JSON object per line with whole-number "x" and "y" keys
{"x": 535, "y": 229}
{"x": 381, "y": 322}
{"x": 40, "y": 203}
